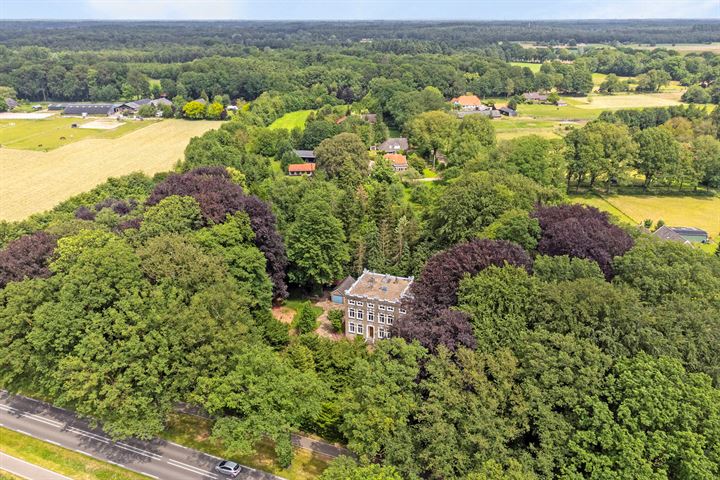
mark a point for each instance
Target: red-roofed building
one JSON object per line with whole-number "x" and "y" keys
{"x": 399, "y": 162}
{"x": 298, "y": 169}
{"x": 468, "y": 102}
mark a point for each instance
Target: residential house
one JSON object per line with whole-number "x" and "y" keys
{"x": 132, "y": 107}
{"x": 535, "y": 97}
{"x": 507, "y": 111}
{"x": 392, "y": 145}
{"x": 372, "y": 304}
{"x": 306, "y": 155}
{"x": 468, "y": 102}
{"x": 398, "y": 161}
{"x": 300, "y": 169}
{"x": 686, "y": 235}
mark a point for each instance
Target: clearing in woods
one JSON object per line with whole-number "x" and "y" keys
{"x": 33, "y": 182}
{"x": 292, "y": 120}
{"x": 56, "y": 131}
{"x": 677, "y": 211}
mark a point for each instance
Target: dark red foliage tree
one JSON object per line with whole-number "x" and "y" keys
{"x": 218, "y": 197}
{"x": 449, "y": 328}
{"x": 26, "y": 257}
{"x": 435, "y": 291}
{"x": 582, "y": 232}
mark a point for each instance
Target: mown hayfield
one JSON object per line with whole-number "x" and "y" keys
{"x": 507, "y": 128}
{"x": 682, "y": 47}
{"x": 33, "y": 182}
{"x": 535, "y": 67}
{"x": 686, "y": 211}
{"x": 53, "y": 132}
{"x": 292, "y": 120}
{"x": 631, "y": 100}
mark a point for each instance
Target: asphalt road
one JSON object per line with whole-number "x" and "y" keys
{"x": 158, "y": 459}
{"x": 24, "y": 469}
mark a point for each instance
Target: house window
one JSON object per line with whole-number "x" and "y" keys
{"x": 390, "y": 309}
{"x": 359, "y": 304}
{"x": 351, "y": 302}
{"x": 371, "y": 316}
{"x": 389, "y": 319}
{"x": 352, "y": 327}
{"x": 359, "y": 329}
{"x": 351, "y": 313}
{"x": 382, "y": 318}
{"x": 381, "y": 307}
{"x": 359, "y": 315}
{"x": 371, "y": 306}
{"x": 403, "y": 311}
{"x": 381, "y": 332}
{"x": 387, "y": 334}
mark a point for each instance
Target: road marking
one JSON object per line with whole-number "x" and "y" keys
{"x": 31, "y": 464}
{"x": 84, "y": 453}
{"x": 23, "y": 432}
{"x": 149, "y": 475}
{"x": 52, "y": 441}
{"x": 88, "y": 434}
{"x": 186, "y": 448}
{"x": 115, "y": 463}
{"x": 191, "y": 468}
{"x": 37, "y": 418}
{"x": 139, "y": 450}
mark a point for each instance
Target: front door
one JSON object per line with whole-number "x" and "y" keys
{"x": 371, "y": 333}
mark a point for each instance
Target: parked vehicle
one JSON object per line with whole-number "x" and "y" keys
{"x": 226, "y": 467}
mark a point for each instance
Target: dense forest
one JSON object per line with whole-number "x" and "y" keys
{"x": 543, "y": 339}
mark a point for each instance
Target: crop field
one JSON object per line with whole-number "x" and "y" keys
{"x": 686, "y": 211}
{"x": 681, "y": 47}
{"x": 507, "y": 128}
{"x": 630, "y": 100}
{"x": 292, "y": 120}
{"x": 53, "y": 132}
{"x": 33, "y": 182}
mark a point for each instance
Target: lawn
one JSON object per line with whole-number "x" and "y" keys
{"x": 292, "y": 120}
{"x": 53, "y": 132}
{"x": 535, "y": 67}
{"x": 676, "y": 210}
{"x": 33, "y": 182}
{"x": 194, "y": 432}
{"x": 61, "y": 460}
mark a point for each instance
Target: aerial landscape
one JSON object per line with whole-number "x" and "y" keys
{"x": 359, "y": 240}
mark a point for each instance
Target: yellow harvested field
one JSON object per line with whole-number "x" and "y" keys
{"x": 598, "y": 102}
{"x": 32, "y": 182}
{"x": 676, "y": 211}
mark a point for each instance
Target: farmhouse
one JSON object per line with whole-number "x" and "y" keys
{"x": 535, "y": 97}
{"x": 299, "y": 169}
{"x": 686, "y": 235}
{"x": 372, "y": 303}
{"x": 468, "y": 102}
{"x": 132, "y": 107}
{"x": 392, "y": 145}
{"x": 398, "y": 161}
{"x": 305, "y": 155}
{"x": 89, "y": 109}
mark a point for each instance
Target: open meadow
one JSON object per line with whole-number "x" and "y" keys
{"x": 55, "y": 131}
{"x": 292, "y": 120}
{"x": 33, "y": 182}
{"x": 677, "y": 211}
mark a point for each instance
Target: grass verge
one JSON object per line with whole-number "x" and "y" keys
{"x": 61, "y": 460}
{"x": 194, "y": 432}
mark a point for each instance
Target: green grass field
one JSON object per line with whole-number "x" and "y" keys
{"x": 292, "y": 120}
{"x": 676, "y": 210}
{"x": 61, "y": 460}
{"x": 53, "y": 132}
{"x": 535, "y": 67}
{"x": 194, "y": 432}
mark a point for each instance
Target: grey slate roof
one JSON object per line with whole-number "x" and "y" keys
{"x": 344, "y": 285}
{"x": 667, "y": 233}
{"x": 305, "y": 154}
{"x": 89, "y": 108}
{"x": 393, "y": 144}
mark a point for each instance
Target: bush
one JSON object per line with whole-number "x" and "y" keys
{"x": 336, "y": 319}
{"x": 305, "y": 320}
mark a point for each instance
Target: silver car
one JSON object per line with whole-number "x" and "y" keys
{"x": 226, "y": 467}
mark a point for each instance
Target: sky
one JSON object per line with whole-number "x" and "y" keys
{"x": 356, "y": 9}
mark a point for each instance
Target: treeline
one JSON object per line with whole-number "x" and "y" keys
{"x": 99, "y": 35}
